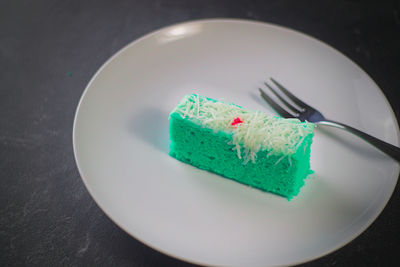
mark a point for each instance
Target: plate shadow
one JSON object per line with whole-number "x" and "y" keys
{"x": 151, "y": 126}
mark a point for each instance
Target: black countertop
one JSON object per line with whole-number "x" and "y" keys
{"x": 49, "y": 50}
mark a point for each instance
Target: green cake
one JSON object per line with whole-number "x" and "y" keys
{"x": 262, "y": 151}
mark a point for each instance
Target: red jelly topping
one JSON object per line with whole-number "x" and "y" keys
{"x": 237, "y": 121}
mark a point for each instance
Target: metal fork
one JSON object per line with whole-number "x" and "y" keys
{"x": 304, "y": 112}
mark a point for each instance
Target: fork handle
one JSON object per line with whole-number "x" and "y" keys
{"x": 391, "y": 150}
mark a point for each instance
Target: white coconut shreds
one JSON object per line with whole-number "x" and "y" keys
{"x": 256, "y": 130}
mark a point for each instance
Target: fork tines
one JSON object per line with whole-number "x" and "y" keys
{"x": 287, "y": 110}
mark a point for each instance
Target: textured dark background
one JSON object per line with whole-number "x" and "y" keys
{"x": 49, "y": 50}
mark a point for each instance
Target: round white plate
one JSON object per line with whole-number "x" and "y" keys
{"x": 121, "y": 145}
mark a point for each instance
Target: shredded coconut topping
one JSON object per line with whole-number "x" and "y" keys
{"x": 256, "y": 130}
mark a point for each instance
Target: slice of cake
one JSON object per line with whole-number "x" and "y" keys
{"x": 262, "y": 151}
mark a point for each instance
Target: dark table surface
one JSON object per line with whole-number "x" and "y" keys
{"x": 49, "y": 50}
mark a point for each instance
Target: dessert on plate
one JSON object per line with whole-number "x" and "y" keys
{"x": 250, "y": 147}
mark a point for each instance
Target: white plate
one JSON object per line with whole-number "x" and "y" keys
{"x": 121, "y": 145}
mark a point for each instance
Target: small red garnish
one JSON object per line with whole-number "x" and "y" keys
{"x": 236, "y": 121}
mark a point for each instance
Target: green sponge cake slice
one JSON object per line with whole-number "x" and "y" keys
{"x": 262, "y": 151}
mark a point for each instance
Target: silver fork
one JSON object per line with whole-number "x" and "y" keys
{"x": 304, "y": 112}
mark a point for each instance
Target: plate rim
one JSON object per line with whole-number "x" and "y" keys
{"x": 224, "y": 20}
